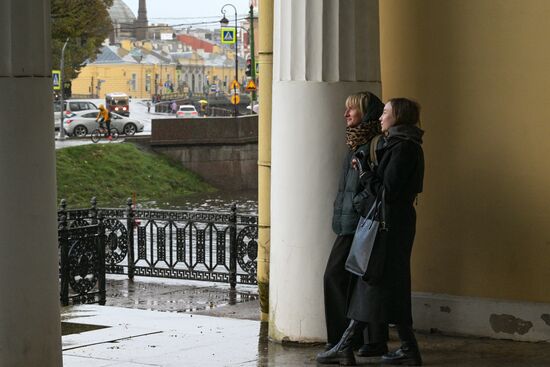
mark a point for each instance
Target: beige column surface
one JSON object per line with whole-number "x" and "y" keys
{"x": 265, "y": 60}
{"x": 30, "y": 329}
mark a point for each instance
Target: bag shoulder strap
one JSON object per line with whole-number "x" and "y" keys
{"x": 383, "y": 223}
{"x": 372, "y": 152}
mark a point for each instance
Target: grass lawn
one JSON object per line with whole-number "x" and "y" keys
{"x": 113, "y": 172}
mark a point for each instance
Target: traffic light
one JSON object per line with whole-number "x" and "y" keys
{"x": 248, "y": 71}
{"x": 67, "y": 89}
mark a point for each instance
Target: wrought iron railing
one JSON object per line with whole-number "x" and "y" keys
{"x": 219, "y": 247}
{"x": 82, "y": 262}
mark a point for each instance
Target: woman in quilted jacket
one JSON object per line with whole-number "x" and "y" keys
{"x": 362, "y": 112}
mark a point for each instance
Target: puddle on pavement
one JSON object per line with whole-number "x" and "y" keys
{"x": 172, "y": 297}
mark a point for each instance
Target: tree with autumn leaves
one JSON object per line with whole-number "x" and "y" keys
{"x": 86, "y": 23}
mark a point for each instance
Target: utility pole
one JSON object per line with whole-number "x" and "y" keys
{"x": 225, "y": 22}
{"x": 62, "y": 112}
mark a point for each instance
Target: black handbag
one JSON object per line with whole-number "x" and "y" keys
{"x": 367, "y": 253}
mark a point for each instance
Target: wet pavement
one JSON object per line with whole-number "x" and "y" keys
{"x": 182, "y": 296}
{"x": 168, "y": 323}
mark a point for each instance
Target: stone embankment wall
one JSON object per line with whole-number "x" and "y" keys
{"x": 222, "y": 150}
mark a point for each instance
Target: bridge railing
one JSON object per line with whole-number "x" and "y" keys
{"x": 218, "y": 247}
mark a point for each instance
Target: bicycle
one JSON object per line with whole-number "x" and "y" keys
{"x": 102, "y": 132}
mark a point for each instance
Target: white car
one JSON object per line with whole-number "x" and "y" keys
{"x": 83, "y": 122}
{"x": 70, "y": 106}
{"x": 187, "y": 110}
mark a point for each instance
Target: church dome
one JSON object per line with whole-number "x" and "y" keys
{"x": 120, "y": 13}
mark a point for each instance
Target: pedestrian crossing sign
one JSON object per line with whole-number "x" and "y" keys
{"x": 56, "y": 79}
{"x": 228, "y": 35}
{"x": 251, "y": 85}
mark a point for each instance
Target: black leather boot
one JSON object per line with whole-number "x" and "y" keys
{"x": 373, "y": 350}
{"x": 342, "y": 352}
{"x": 407, "y": 355}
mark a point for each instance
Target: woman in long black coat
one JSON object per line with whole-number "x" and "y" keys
{"x": 388, "y": 299}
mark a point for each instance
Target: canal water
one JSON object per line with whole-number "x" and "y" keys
{"x": 246, "y": 201}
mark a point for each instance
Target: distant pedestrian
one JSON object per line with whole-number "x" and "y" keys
{"x": 148, "y": 107}
{"x": 174, "y": 107}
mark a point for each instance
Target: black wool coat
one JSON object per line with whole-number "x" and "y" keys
{"x": 400, "y": 172}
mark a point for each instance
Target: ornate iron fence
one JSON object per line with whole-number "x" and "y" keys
{"x": 219, "y": 247}
{"x": 82, "y": 262}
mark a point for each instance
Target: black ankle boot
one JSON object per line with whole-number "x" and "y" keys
{"x": 407, "y": 355}
{"x": 342, "y": 352}
{"x": 373, "y": 350}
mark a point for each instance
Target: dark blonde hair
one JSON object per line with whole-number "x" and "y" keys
{"x": 359, "y": 100}
{"x": 406, "y": 111}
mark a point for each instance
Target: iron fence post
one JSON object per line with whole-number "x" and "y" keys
{"x": 130, "y": 215}
{"x": 233, "y": 247}
{"x": 64, "y": 243}
{"x": 93, "y": 210}
{"x": 101, "y": 255}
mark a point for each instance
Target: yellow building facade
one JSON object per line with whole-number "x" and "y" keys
{"x": 136, "y": 80}
{"x": 141, "y": 72}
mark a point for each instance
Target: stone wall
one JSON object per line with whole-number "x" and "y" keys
{"x": 222, "y": 150}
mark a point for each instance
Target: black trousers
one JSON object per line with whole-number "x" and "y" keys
{"x": 378, "y": 333}
{"x": 337, "y": 285}
{"x": 406, "y": 334}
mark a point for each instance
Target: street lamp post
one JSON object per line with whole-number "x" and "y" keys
{"x": 62, "y": 81}
{"x": 225, "y": 22}
{"x": 252, "y": 58}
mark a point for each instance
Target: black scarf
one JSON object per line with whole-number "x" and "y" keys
{"x": 374, "y": 108}
{"x": 405, "y": 132}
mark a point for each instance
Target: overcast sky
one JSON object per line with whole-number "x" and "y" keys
{"x": 190, "y": 11}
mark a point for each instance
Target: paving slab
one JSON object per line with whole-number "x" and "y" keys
{"x": 154, "y": 338}
{"x": 172, "y": 323}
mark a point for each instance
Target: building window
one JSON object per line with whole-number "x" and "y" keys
{"x": 133, "y": 82}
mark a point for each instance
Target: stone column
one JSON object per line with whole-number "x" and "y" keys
{"x": 265, "y": 60}
{"x": 324, "y": 50}
{"x": 30, "y": 332}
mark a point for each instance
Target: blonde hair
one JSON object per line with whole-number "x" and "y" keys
{"x": 358, "y": 100}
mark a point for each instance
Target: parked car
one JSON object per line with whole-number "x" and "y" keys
{"x": 70, "y": 106}
{"x": 187, "y": 110}
{"x": 83, "y": 122}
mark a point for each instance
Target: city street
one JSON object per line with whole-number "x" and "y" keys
{"x": 138, "y": 111}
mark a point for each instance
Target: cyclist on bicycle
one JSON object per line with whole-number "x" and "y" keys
{"x": 104, "y": 115}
